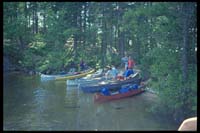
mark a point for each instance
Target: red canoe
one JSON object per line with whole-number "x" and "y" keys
{"x": 99, "y": 97}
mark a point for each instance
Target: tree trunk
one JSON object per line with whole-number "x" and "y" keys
{"x": 184, "y": 59}
{"x": 33, "y": 25}
{"x": 44, "y": 23}
{"x": 29, "y": 20}
{"x": 137, "y": 58}
{"x": 150, "y": 38}
{"x": 184, "y": 52}
{"x": 26, "y": 16}
{"x": 21, "y": 43}
{"x": 116, "y": 34}
{"x": 84, "y": 24}
{"x": 36, "y": 19}
{"x": 121, "y": 44}
{"x": 104, "y": 34}
{"x": 75, "y": 47}
{"x": 75, "y": 25}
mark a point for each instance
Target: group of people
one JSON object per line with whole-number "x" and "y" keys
{"x": 73, "y": 67}
{"x": 114, "y": 73}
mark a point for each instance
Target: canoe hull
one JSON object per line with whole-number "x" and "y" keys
{"x": 77, "y": 82}
{"x": 45, "y": 77}
{"x": 99, "y": 97}
{"x": 75, "y": 76}
{"x": 111, "y": 85}
{"x": 89, "y": 79}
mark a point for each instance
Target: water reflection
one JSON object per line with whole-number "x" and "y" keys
{"x": 71, "y": 94}
{"x": 125, "y": 114}
{"x": 31, "y": 105}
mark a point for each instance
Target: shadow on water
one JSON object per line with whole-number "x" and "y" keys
{"x": 32, "y": 105}
{"x": 126, "y": 114}
{"x": 29, "y": 104}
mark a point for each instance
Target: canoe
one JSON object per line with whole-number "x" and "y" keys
{"x": 77, "y": 82}
{"x": 100, "y": 98}
{"x": 82, "y": 74}
{"x": 98, "y": 73}
{"x": 46, "y": 77}
{"x": 90, "y": 78}
{"x": 116, "y": 84}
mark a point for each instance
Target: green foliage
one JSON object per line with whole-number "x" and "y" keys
{"x": 37, "y": 47}
{"x": 46, "y": 37}
{"x": 175, "y": 95}
{"x": 27, "y": 61}
{"x": 114, "y": 59}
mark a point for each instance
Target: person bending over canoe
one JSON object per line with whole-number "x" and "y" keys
{"x": 111, "y": 73}
{"x": 114, "y": 72}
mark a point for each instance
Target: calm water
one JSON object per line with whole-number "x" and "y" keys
{"x": 29, "y": 104}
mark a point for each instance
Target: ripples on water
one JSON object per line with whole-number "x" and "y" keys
{"x": 29, "y": 104}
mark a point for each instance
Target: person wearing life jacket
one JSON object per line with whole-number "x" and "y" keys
{"x": 131, "y": 63}
{"x": 129, "y": 70}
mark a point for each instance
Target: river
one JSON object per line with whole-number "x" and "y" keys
{"x": 32, "y": 105}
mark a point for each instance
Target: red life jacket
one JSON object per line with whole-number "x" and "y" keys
{"x": 131, "y": 64}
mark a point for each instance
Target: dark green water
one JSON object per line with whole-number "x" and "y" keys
{"x": 29, "y": 104}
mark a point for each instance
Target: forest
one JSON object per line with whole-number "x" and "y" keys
{"x": 44, "y": 37}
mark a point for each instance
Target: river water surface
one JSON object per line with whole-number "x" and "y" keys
{"x": 29, "y": 104}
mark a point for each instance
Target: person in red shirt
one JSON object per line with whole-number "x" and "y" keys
{"x": 129, "y": 70}
{"x": 131, "y": 63}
